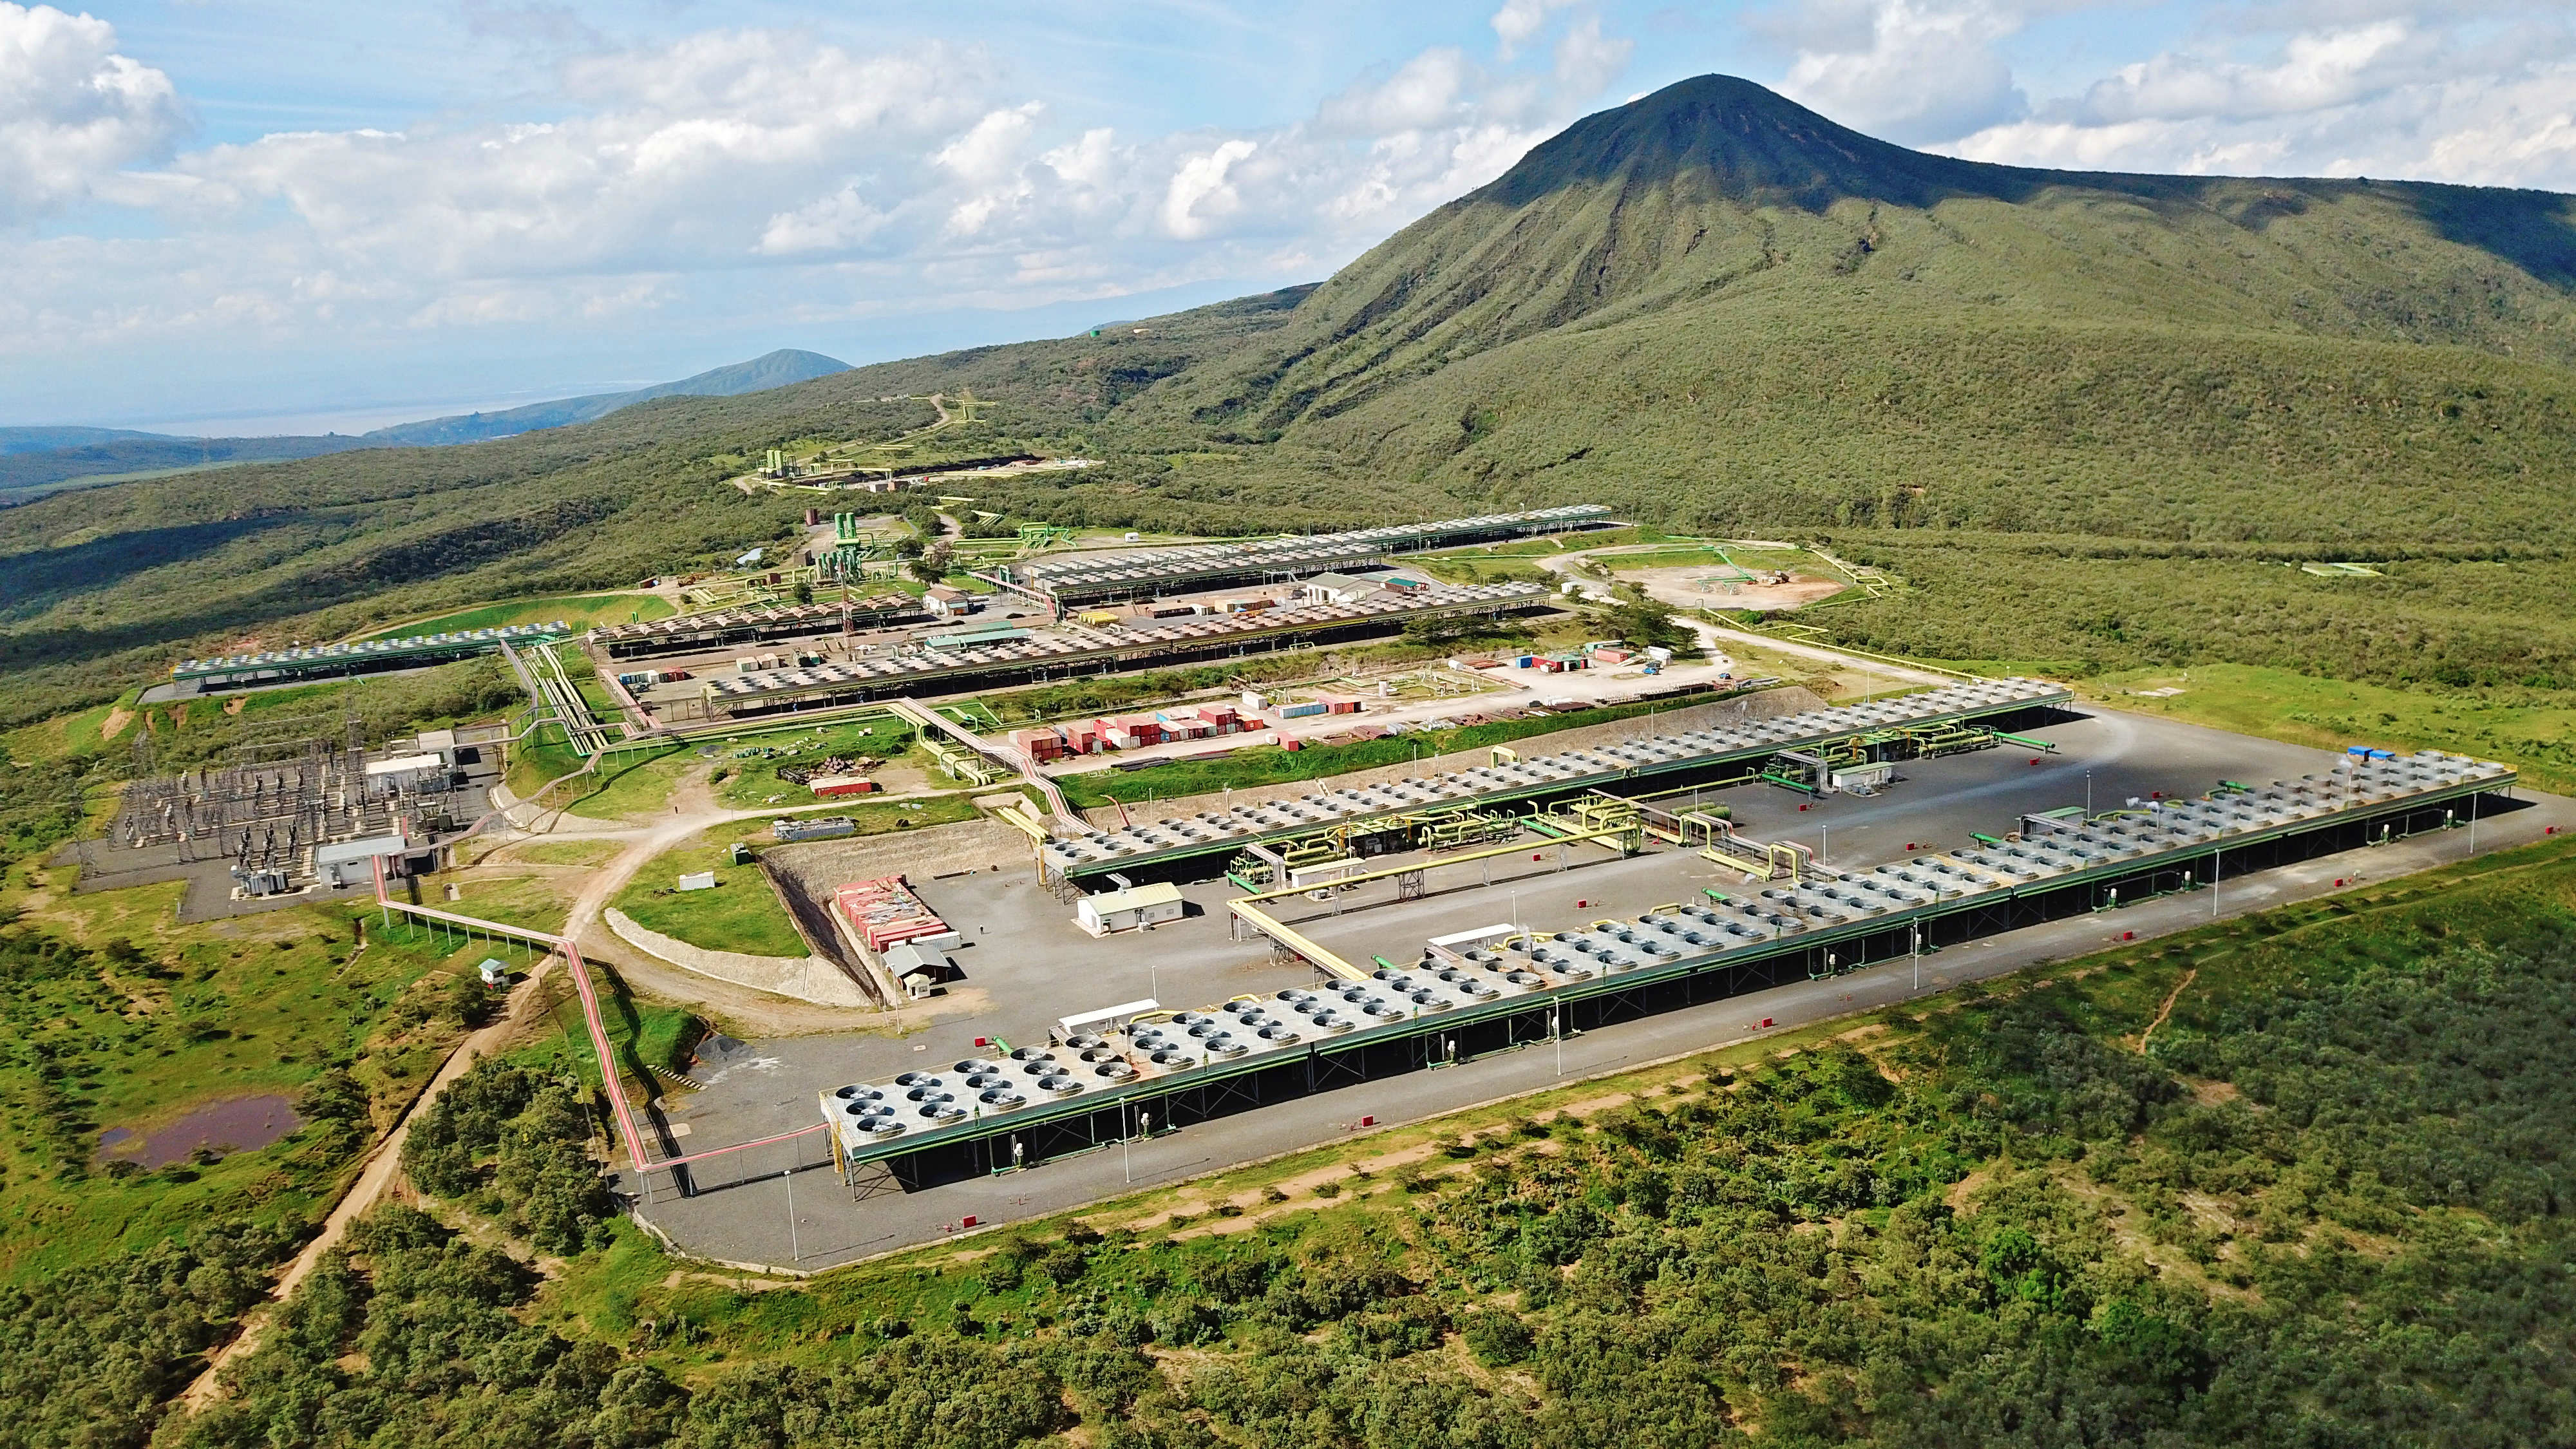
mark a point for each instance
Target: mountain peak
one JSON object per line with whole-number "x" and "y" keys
{"x": 1748, "y": 143}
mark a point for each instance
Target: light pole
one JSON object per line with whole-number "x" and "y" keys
{"x": 2088, "y": 795}
{"x": 1918, "y": 955}
{"x": 1825, "y": 851}
{"x": 1556, "y": 1031}
{"x": 796, "y": 1254}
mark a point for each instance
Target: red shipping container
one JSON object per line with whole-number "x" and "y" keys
{"x": 833, "y": 786}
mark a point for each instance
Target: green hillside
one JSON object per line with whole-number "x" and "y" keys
{"x": 1710, "y": 307}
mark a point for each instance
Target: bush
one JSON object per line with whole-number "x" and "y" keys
{"x": 1496, "y": 1336}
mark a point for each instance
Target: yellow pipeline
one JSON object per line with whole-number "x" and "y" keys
{"x": 1269, "y": 925}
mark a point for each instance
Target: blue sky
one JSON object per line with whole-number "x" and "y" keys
{"x": 260, "y": 215}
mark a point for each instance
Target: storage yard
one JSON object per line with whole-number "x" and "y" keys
{"x": 1623, "y": 895}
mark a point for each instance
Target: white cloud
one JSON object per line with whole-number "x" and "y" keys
{"x": 1907, "y": 70}
{"x": 2315, "y": 71}
{"x": 1086, "y": 162}
{"x": 831, "y": 223}
{"x": 1519, "y": 20}
{"x": 987, "y": 160}
{"x": 1199, "y": 195}
{"x": 1428, "y": 90}
{"x": 770, "y": 173}
{"x": 2395, "y": 98}
{"x": 72, "y": 110}
{"x": 1587, "y": 60}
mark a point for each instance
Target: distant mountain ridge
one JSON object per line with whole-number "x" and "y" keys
{"x": 35, "y": 460}
{"x": 45, "y": 440}
{"x": 782, "y": 368}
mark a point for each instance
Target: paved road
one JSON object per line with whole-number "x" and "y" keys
{"x": 748, "y": 1222}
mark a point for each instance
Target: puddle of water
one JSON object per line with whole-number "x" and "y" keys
{"x": 236, "y": 1125}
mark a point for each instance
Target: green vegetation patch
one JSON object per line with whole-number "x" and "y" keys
{"x": 627, "y": 784}
{"x": 120, "y": 1021}
{"x": 2454, "y": 652}
{"x": 2532, "y": 730}
{"x": 581, "y": 611}
{"x": 566, "y": 852}
{"x": 646, "y": 1037}
{"x": 741, "y": 913}
{"x": 747, "y": 766}
{"x": 876, "y": 817}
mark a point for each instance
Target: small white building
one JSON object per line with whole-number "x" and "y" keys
{"x": 1862, "y": 779}
{"x": 1339, "y": 589}
{"x": 1129, "y": 909}
{"x": 405, "y": 772}
{"x": 351, "y": 862}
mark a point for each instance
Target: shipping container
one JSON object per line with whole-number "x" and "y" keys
{"x": 832, "y": 787}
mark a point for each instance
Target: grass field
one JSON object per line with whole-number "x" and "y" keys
{"x": 2535, "y": 735}
{"x": 750, "y": 783}
{"x": 741, "y": 914}
{"x": 640, "y": 1033}
{"x": 564, "y": 852}
{"x": 634, "y": 783}
{"x": 492, "y": 893}
{"x": 166, "y": 1018}
{"x": 876, "y": 817}
{"x": 581, "y": 611}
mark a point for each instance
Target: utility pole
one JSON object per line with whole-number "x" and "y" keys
{"x": 1556, "y": 1029}
{"x": 2088, "y": 796}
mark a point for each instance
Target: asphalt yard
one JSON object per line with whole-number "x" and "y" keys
{"x": 1026, "y": 964}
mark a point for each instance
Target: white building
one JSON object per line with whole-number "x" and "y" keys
{"x": 1129, "y": 909}
{"x": 351, "y": 862}
{"x": 405, "y": 772}
{"x": 1338, "y": 589}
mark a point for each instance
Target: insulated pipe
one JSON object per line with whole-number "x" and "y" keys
{"x": 632, "y": 1139}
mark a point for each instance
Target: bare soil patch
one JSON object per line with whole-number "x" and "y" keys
{"x": 1681, "y": 588}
